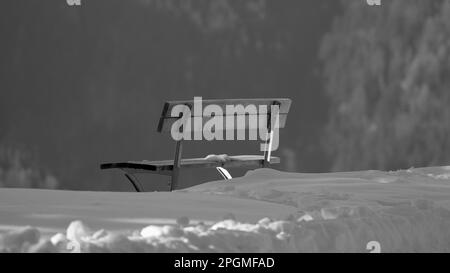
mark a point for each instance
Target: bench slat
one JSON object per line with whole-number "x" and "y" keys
{"x": 285, "y": 104}
{"x": 165, "y": 123}
{"x": 167, "y": 165}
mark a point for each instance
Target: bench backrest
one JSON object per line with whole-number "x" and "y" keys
{"x": 166, "y": 120}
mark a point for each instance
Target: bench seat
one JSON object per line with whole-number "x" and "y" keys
{"x": 163, "y": 166}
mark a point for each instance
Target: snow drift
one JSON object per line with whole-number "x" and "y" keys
{"x": 264, "y": 211}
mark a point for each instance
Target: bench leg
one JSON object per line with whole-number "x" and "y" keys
{"x": 174, "y": 179}
{"x": 137, "y": 186}
{"x": 176, "y": 166}
{"x": 224, "y": 173}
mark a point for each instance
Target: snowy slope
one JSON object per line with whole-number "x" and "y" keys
{"x": 264, "y": 211}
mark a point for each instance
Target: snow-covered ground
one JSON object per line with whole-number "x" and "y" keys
{"x": 264, "y": 211}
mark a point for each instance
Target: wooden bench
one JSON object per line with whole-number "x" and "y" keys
{"x": 172, "y": 167}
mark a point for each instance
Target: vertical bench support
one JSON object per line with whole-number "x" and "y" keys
{"x": 176, "y": 165}
{"x": 269, "y": 139}
{"x": 268, "y": 142}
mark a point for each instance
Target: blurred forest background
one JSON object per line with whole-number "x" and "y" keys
{"x": 84, "y": 85}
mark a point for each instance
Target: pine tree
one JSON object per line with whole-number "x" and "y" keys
{"x": 386, "y": 72}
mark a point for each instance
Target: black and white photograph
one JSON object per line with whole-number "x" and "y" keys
{"x": 224, "y": 126}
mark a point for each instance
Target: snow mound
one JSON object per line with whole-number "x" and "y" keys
{"x": 401, "y": 211}
{"x": 406, "y": 229}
